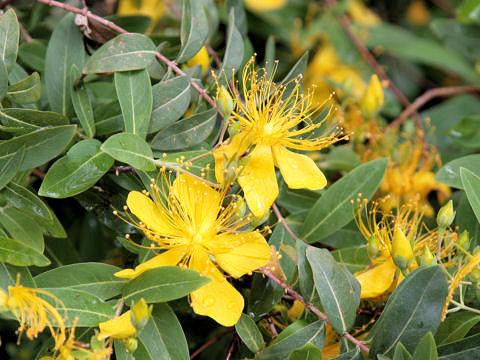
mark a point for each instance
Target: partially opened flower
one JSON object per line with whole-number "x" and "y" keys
{"x": 120, "y": 327}
{"x": 270, "y": 119}
{"x": 198, "y": 227}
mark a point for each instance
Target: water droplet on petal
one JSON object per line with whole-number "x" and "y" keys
{"x": 208, "y": 301}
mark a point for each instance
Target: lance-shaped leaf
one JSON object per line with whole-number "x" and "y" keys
{"x": 33, "y": 54}
{"x": 308, "y": 352}
{"x": 338, "y": 290}
{"x": 82, "y": 166}
{"x": 449, "y": 174}
{"x": 194, "y": 29}
{"x": 9, "y": 273}
{"x": 455, "y": 327}
{"x": 134, "y": 93}
{"x": 163, "y": 284}
{"x": 9, "y": 37}
{"x": 126, "y": 52}
{"x": 465, "y": 349}
{"x": 22, "y": 228}
{"x": 249, "y": 333}
{"x": 17, "y": 253}
{"x": 471, "y": 184}
{"x": 29, "y": 120}
{"x": 413, "y": 309}
{"x": 130, "y": 149}
{"x": 234, "y": 51}
{"x": 9, "y": 164}
{"x": 82, "y": 105}
{"x": 334, "y": 209}
{"x": 3, "y": 80}
{"x": 426, "y": 349}
{"x": 65, "y": 49}
{"x": 26, "y": 91}
{"x": 186, "y": 132}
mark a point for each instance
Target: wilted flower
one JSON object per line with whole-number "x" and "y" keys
{"x": 197, "y": 226}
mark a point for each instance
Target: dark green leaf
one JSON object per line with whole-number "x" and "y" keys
{"x": 413, "y": 309}
{"x": 465, "y": 349}
{"x": 471, "y": 184}
{"x": 194, "y": 29}
{"x": 82, "y": 105}
{"x": 3, "y": 80}
{"x": 186, "y": 132}
{"x": 17, "y": 253}
{"x": 170, "y": 101}
{"x": 426, "y": 348}
{"x": 338, "y": 292}
{"x": 82, "y": 166}
{"x": 308, "y": 352}
{"x": 449, "y": 174}
{"x": 33, "y": 54}
{"x": 126, "y": 52}
{"x": 305, "y": 276}
{"x": 455, "y": 327}
{"x": 401, "y": 353}
{"x": 9, "y": 274}
{"x": 95, "y": 278}
{"x": 26, "y": 91}
{"x": 9, "y": 37}
{"x": 64, "y": 49}
{"x": 355, "y": 259}
{"x": 9, "y": 164}
{"x": 340, "y": 158}
{"x": 21, "y": 228}
{"x": 334, "y": 209}
{"x": 130, "y": 149}
{"x": 163, "y": 284}
{"x": 29, "y": 120}
{"x": 134, "y": 93}
{"x": 249, "y": 333}
{"x": 234, "y": 51}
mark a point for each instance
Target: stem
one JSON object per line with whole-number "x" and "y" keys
{"x": 195, "y": 158}
{"x": 272, "y": 327}
{"x": 429, "y": 95}
{"x": 312, "y": 308}
{"x": 211, "y": 342}
{"x": 464, "y": 307}
{"x": 283, "y": 221}
{"x": 230, "y": 349}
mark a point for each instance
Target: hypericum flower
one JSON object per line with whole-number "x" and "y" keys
{"x": 33, "y": 312}
{"x": 120, "y": 327}
{"x": 198, "y": 227}
{"x": 270, "y": 119}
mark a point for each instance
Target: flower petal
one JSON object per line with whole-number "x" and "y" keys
{"x": 248, "y": 252}
{"x": 118, "y": 328}
{"x": 258, "y": 180}
{"x": 376, "y": 281}
{"x": 148, "y": 212}
{"x": 218, "y": 299}
{"x": 298, "y": 171}
{"x": 225, "y": 153}
{"x": 168, "y": 258}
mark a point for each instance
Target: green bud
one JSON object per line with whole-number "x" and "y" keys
{"x": 96, "y": 343}
{"x": 131, "y": 344}
{"x": 140, "y": 314}
{"x": 372, "y": 246}
{"x": 241, "y": 207}
{"x": 427, "y": 258}
{"x": 445, "y": 215}
{"x": 464, "y": 240}
{"x": 224, "y": 101}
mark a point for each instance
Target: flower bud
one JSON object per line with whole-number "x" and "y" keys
{"x": 372, "y": 100}
{"x": 464, "y": 240}
{"x": 140, "y": 314}
{"x": 224, "y": 101}
{"x": 445, "y": 215}
{"x": 131, "y": 344}
{"x": 372, "y": 246}
{"x": 427, "y": 258}
{"x": 402, "y": 252}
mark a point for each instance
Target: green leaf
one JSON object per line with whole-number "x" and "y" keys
{"x": 40, "y": 146}
{"x": 94, "y": 278}
{"x": 338, "y": 290}
{"x": 426, "y": 348}
{"x": 170, "y": 101}
{"x": 186, "y": 132}
{"x": 134, "y": 92}
{"x": 163, "y": 284}
{"x": 449, "y": 174}
{"x": 355, "y": 258}
{"x": 471, "y": 184}
{"x": 249, "y": 333}
{"x": 26, "y": 91}
{"x": 297, "y": 69}
{"x": 305, "y": 277}
{"x": 194, "y": 29}
{"x": 82, "y": 105}
{"x": 33, "y": 54}
{"x": 82, "y": 166}
{"x": 340, "y": 158}
{"x": 311, "y": 334}
{"x": 130, "y": 149}
{"x": 126, "y": 52}
{"x": 401, "y": 353}
{"x": 413, "y": 309}
{"x": 163, "y": 337}
{"x": 465, "y": 349}
{"x": 455, "y": 327}
{"x": 17, "y": 253}
{"x": 469, "y": 12}
{"x": 308, "y": 352}
{"x": 64, "y": 49}
{"x": 9, "y": 274}
{"x": 27, "y": 202}
{"x": 30, "y": 120}
{"x": 21, "y": 228}
{"x": 234, "y": 51}
{"x": 3, "y": 80}
{"x": 9, "y": 164}
{"x": 89, "y": 308}
{"x": 334, "y": 209}
{"x": 9, "y": 37}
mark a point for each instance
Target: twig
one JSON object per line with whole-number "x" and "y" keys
{"x": 214, "y": 55}
{"x": 284, "y": 222}
{"x": 312, "y": 308}
{"x": 272, "y": 327}
{"x": 230, "y": 349}
{"x": 38, "y": 173}
{"x": 429, "y": 95}
{"x": 211, "y": 342}
{"x": 195, "y": 158}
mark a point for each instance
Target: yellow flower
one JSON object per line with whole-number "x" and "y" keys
{"x": 120, "y": 327}
{"x": 34, "y": 313}
{"x": 264, "y": 5}
{"x": 201, "y": 58}
{"x": 198, "y": 228}
{"x": 372, "y": 100}
{"x": 402, "y": 252}
{"x": 154, "y": 9}
{"x": 267, "y": 121}
{"x": 362, "y": 14}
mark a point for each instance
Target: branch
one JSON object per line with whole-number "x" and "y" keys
{"x": 211, "y": 342}
{"x": 429, "y": 95}
{"x": 310, "y": 307}
{"x": 284, "y": 222}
